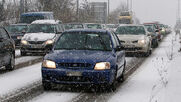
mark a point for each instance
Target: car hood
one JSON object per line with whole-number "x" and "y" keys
{"x": 38, "y": 36}
{"x": 79, "y": 56}
{"x": 131, "y": 37}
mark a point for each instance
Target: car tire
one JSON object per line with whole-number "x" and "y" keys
{"x": 47, "y": 86}
{"x": 11, "y": 64}
{"x": 23, "y": 53}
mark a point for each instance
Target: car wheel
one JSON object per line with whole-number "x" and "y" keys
{"x": 47, "y": 86}
{"x": 23, "y": 53}
{"x": 122, "y": 77}
{"x": 11, "y": 64}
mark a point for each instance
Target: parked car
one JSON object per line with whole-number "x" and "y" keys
{"x": 84, "y": 57}
{"x": 69, "y": 26}
{"x": 135, "y": 39}
{"x": 151, "y": 30}
{"x": 17, "y": 31}
{"x": 7, "y": 52}
{"x": 40, "y": 36}
{"x": 29, "y": 17}
{"x": 94, "y": 26}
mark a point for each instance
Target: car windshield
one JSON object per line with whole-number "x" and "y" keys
{"x": 131, "y": 30}
{"x": 16, "y": 28}
{"x": 45, "y": 28}
{"x": 94, "y": 26}
{"x": 73, "y": 26}
{"x": 149, "y": 28}
{"x": 84, "y": 41}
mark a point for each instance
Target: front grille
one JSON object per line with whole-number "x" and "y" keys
{"x": 133, "y": 49}
{"x": 136, "y": 41}
{"x": 36, "y": 42}
{"x": 74, "y": 65}
{"x": 122, "y": 41}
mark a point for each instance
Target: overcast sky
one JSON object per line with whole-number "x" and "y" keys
{"x": 151, "y": 10}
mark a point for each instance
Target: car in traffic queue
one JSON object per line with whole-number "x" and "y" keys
{"x": 7, "y": 52}
{"x": 158, "y": 29}
{"x": 151, "y": 30}
{"x": 135, "y": 39}
{"x": 69, "y": 26}
{"x": 87, "y": 56}
{"x": 94, "y": 26}
{"x": 16, "y": 32}
{"x": 41, "y": 36}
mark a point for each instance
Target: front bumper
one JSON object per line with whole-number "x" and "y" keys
{"x": 60, "y": 76}
{"x": 131, "y": 48}
{"x": 36, "y": 48}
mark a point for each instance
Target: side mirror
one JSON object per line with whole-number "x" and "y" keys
{"x": 59, "y": 32}
{"x": 24, "y": 31}
{"x": 119, "y": 48}
{"x": 157, "y": 30}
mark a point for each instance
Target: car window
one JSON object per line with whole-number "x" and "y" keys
{"x": 3, "y": 34}
{"x": 84, "y": 41}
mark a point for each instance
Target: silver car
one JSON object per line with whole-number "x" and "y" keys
{"x": 135, "y": 38}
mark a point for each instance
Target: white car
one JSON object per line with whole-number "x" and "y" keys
{"x": 135, "y": 38}
{"x": 40, "y": 36}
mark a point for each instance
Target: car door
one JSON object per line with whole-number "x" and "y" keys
{"x": 6, "y": 46}
{"x": 120, "y": 56}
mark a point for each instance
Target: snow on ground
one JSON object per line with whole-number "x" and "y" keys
{"x": 17, "y": 52}
{"x": 25, "y": 59}
{"x": 17, "y": 79}
{"x": 55, "y": 97}
{"x": 157, "y": 79}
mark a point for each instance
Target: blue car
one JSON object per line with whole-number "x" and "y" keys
{"x": 91, "y": 57}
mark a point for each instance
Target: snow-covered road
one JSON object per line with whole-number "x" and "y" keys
{"x": 149, "y": 82}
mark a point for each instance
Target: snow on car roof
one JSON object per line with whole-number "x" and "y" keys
{"x": 45, "y": 22}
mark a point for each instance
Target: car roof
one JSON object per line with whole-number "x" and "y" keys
{"x": 131, "y": 25}
{"x": 19, "y": 24}
{"x": 88, "y": 30}
{"x": 36, "y": 13}
{"x": 46, "y": 22}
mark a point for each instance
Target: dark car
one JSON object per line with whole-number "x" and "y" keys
{"x": 7, "y": 52}
{"x": 84, "y": 57}
{"x": 150, "y": 28}
{"x": 17, "y": 31}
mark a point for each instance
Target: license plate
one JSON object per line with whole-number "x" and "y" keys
{"x": 74, "y": 74}
{"x": 36, "y": 46}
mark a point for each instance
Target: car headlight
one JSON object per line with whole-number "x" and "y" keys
{"x": 24, "y": 42}
{"x": 102, "y": 66}
{"x": 49, "y": 64}
{"x": 49, "y": 42}
{"x": 141, "y": 41}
